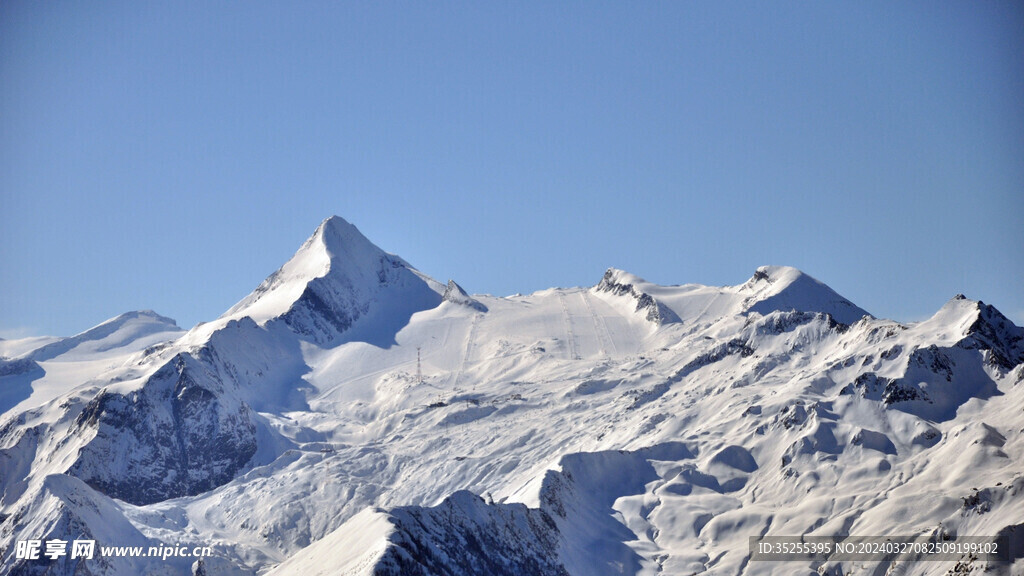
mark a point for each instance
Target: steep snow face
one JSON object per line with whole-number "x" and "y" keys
{"x": 561, "y": 432}
{"x": 783, "y": 288}
{"x": 974, "y": 325}
{"x": 335, "y": 280}
{"x": 367, "y": 534}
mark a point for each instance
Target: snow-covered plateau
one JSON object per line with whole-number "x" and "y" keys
{"x": 353, "y": 416}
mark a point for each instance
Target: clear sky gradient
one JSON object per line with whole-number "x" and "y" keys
{"x": 172, "y": 155}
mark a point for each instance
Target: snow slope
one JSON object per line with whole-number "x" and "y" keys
{"x": 39, "y": 370}
{"x": 353, "y": 416}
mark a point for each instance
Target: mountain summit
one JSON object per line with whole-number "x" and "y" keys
{"x": 337, "y": 279}
{"x": 785, "y": 288}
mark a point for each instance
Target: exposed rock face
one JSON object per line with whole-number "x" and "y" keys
{"x": 653, "y": 311}
{"x": 174, "y": 437}
{"x": 464, "y": 535}
{"x": 456, "y": 295}
{"x": 18, "y": 367}
{"x": 997, "y": 334}
{"x": 572, "y": 531}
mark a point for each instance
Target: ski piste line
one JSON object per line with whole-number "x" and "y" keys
{"x": 707, "y": 307}
{"x": 469, "y": 349}
{"x": 599, "y": 323}
{"x": 567, "y": 318}
{"x": 326, "y": 393}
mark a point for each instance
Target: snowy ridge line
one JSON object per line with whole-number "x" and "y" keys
{"x": 624, "y": 284}
{"x": 774, "y": 407}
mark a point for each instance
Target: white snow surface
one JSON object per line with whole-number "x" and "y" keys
{"x": 52, "y": 367}
{"x": 600, "y": 439}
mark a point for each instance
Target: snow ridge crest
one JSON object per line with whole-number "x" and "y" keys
{"x": 622, "y": 283}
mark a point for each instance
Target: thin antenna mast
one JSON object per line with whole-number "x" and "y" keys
{"x": 419, "y": 368}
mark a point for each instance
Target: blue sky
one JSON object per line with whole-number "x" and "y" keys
{"x": 171, "y": 155}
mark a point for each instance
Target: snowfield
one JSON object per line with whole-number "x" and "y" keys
{"x": 354, "y": 416}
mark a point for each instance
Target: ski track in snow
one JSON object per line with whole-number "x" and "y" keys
{"x": 570, "y": 333}
{"x": 604, "y": 337}
{"x": 468, "y": 351}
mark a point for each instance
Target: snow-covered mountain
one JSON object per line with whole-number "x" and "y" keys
{"x": 339, "y": 283}
{"x": 354, "y": 416}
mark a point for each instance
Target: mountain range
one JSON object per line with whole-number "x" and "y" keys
{"x": 354, "y": 416}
